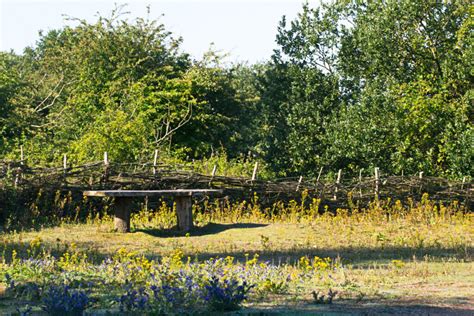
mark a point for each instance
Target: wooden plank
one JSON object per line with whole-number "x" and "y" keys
{"x": 141, "y": 193}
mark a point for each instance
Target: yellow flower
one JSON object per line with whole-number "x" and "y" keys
{"x": 398, "y": 264}
{"x": 303, "y": 263}
{"x": 229, "y": 260}
{"x": 253, "y": 261}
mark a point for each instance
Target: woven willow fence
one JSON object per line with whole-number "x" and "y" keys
{"x": 340, "y": 191}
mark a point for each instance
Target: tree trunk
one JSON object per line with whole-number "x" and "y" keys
{"x": 184, "y": 212}
{"x": 122, "y": 214}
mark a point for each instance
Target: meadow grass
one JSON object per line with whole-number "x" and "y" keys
{"x": 387, "y": 256}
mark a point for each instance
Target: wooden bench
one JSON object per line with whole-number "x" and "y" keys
{"x": 123, "y": 204}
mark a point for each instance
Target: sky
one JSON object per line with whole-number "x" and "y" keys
{"x": 244, "y": 29}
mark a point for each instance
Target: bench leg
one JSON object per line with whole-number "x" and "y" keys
{"x": 184, "y": 212}
{"x": 122, "y": 214}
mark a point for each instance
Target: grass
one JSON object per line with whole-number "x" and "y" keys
{"x": 383, "y": 259}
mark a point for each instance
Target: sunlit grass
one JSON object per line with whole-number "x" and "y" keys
{"x": 386, "y": 253}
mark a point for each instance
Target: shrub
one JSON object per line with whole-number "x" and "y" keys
{"x": 226, "y": 295}
{"x": 134, "y": 300}
{"x": 60, "y": 300}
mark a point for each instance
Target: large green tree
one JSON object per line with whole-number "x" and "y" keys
{"x": 124, "y": 87}
{"x": 356, "y": 85}
{"x": 300, "y": 91}
{"x": 113, "y": 85}
{"x": 350, "y": 85}
{"x": 225, "y": 117}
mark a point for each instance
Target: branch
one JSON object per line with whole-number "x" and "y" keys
{"x": 51, "y": 122}
{"x": 423, "y": 31}
{"x": 185, "y": 120}
{"x": 49, "y": 95}
{"x": 57, "y": 96}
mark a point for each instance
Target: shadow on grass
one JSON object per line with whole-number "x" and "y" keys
{"x": 459, "y": 306}
{"x": 360, "y": 257}
{"x": 352, "y": 307}
{"x": 208, "y": 229}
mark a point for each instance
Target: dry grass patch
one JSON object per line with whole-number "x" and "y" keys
{"x": 380, "y": 258}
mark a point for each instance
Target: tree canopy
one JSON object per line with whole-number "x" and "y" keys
{"x": 350, "y": 85}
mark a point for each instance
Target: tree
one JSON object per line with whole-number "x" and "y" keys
{"x": 371, "y": 84}
{"x": 408, "y": 50}
{"x": 110, "y": 86}
{"x": 300, "y": 91}
{"x": 225, "y": 112}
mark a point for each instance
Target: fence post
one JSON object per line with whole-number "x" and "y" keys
{"x": 317, "y": 182}
{"x": 17, "y": 176}
{"x": 377, "y": 180}
{"x": 463, "y": 181}
{"x": 360, "y": 183}
{"x": 64, "y": 167}
{"x": 155, "y": 158}
{"x": 421, "y": 181}
{"x": 338, "y": 180}
{"x": 22, "y": 157}
{"x": 19, "y": 169}
{"x": 299, "y": 183}
{"x": 254, "y": 174}
{"x": 467, "y": 200}
{"x": 214, "y": 169}
{"x": 319, "y": 174}
{"x": 106, "y": 167}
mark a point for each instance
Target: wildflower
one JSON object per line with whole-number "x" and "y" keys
{"x": 227, "y": 295}
{"x": 59, "y": 300}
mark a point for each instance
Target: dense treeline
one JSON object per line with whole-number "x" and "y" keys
{"x": 350, "y": 85}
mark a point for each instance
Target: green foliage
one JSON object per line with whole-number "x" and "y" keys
{"x": 426, "y": 111}
{"x": 113, "y": 85}
{"x": 11, "y": 121}
{"x": 372, "y": 84}
{"x": 300, "y": 91}
{"x": 362, "y": 136}
{"x": 115, "y": 132}
{"x": 350, "y": 85}
{"x": 226, "y": 111}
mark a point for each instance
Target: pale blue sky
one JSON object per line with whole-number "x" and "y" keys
{"x": 246, "y": 29}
